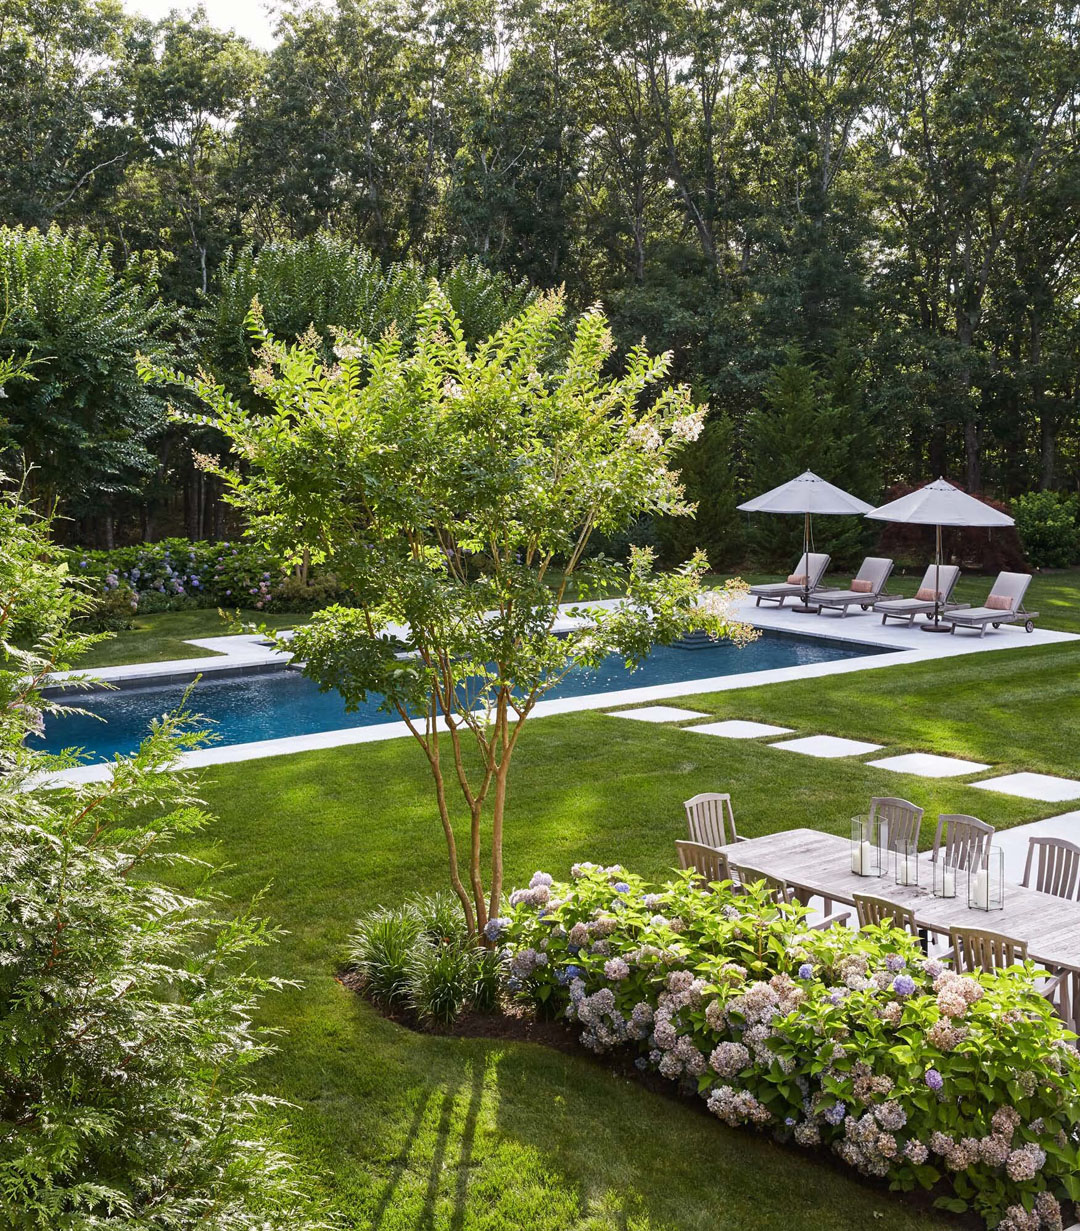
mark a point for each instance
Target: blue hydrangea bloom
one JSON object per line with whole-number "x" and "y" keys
{"x": 622, "y": 887}
{"x": 494, "y": 928}
{"x": 934, "y": 1079}
{"x": 806, "y": 971}
{"x": 836, "y": 1113}
{"x": 904, "y": 985}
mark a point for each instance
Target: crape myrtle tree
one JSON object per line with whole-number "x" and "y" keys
{"x": 126, "y": 1033}
{"x": 455, "y": 489}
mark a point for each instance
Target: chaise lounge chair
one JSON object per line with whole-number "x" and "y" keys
{"x": 865, "y": 590}
{"x": 923, "y": 602}
{"x": 1005, "y": 605}
{"x": 812, "y": 566}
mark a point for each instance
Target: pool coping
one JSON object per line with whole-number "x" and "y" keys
{"x": 901, "y": 645}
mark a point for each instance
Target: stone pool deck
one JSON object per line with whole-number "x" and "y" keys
{"x": 900, "y": 644}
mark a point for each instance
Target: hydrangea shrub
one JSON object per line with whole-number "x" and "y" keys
{"x": 853, "y": 1041}
{"x": 176, "y": 573}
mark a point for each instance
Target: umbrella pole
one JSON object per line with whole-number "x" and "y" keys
{"x": 806, "y": 575}
{"x": 937, "y": 626}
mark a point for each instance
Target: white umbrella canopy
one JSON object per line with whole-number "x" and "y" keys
{"x": 807, "y": 493}
{"x": 940, "y": 504}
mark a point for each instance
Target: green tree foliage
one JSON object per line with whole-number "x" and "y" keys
{"x": 324, "y": 283}
{"x": 65, "y": 128}
{"x": 894, "y": 182}
{"x": 445, "y": 483}
{"x": 86, "y": 424}
{"x": 127, "y": 1032}
{"x": 810, "y": 422}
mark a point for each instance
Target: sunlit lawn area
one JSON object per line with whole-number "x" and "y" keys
{"x": 165, "y": 635}
{"x": 410, "y": 1131}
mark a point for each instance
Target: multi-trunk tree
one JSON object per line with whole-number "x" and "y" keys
{"x": 455, "y": 489}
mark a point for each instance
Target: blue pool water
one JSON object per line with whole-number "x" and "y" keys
{"x": 282, "y": 703}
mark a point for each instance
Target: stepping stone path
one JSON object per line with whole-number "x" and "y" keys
{"x": 929, "y": 765}
{"x": 658, "y": 713}
{"x": 734, "y": 728}
{"x": 1032, "y": 786}
{"x": 827, "y": 746}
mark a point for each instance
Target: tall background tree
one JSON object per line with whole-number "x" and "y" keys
{"x": 891, "y": 188}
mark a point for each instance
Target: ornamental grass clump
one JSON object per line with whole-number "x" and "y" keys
{"x": 852, "y": 1041}
{"x": 419, "y": 957}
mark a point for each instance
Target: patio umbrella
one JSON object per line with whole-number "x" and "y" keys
{"x": 940, "y": 504}
{"x": 807, "y": 494}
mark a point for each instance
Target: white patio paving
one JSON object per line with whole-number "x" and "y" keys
{"x": 827, "y": 746}
{"x": 929, "y": 765}
{"x": 1043, "y": 787}
{"x": 736, "y": 728}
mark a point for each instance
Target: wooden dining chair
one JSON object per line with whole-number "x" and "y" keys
{"x": 964, "y": 839}
{"x": 903, "y": 818}
{"x": 709, "y": 863}
{"x": 1056, "y": 865}
{"x": 879, "y": 911}
{"x": 711, "y": 819}
{"x": 781, "y": 891}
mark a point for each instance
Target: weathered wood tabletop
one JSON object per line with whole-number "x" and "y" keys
{"x": 821, "y": 863}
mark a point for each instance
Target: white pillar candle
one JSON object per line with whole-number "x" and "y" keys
{"x": 982, "y": 889}
{"x": 908, "y": 871}
{"x": 856, "y": 858}
{"x": 948, "y": 884}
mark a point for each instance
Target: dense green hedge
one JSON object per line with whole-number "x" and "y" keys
{"x": 176, "y": 574}
{"x": 848, "y": 1040}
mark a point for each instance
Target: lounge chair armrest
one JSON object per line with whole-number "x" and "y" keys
{"x": 829, "y": 921}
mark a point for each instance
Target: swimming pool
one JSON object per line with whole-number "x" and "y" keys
{"x": 271, "y": 705}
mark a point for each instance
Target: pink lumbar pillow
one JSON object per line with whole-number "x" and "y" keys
{"x": 927, "y": 595}
{"x": 797, "y": 579}
{"x": 862, "y": 587}
{"x": 998, "y": 602}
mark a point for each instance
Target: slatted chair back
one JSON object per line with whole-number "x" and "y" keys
{"x": 711, "y": 819}
{"x": 974, "y": 950}
{"x": 964, "y": 839}
{"x": 778, "y": 888}
{"x": 879, "y": 911}
{"x": 1056, "y": 867}
{"x": 904, "y": 819}
{"x": 709, "y": 863}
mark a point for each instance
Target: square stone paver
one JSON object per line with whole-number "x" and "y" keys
{"x": 736, "y": 728}
{"x": 929, "y": 765}
{"x": 828, "y": 746}
{"x": 658, "y": 713}
{"x": 1032, "y": 786}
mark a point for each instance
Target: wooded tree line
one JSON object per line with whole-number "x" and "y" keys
{"x": 856, "y": 224}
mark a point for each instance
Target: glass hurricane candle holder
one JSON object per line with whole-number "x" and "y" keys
{"x": 945, "y": 877}
{"x": 906, "y": 862}
{"x": 867, "y": 856}
{"x": 986, "y": 882}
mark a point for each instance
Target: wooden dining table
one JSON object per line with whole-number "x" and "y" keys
{"x": 820, "y": 863}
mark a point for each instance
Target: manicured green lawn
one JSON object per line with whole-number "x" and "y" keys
{"x": 403, "y": 1131}
{"x": 165, "y": 634}
{"x": 408, "y": 1131}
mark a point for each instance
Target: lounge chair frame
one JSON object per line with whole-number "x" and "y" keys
{"x": 1012, "y": 584}
{"x": 813, "y": 565}
{"x": 879, "y": 569}
{"x": 908, "y": 608}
